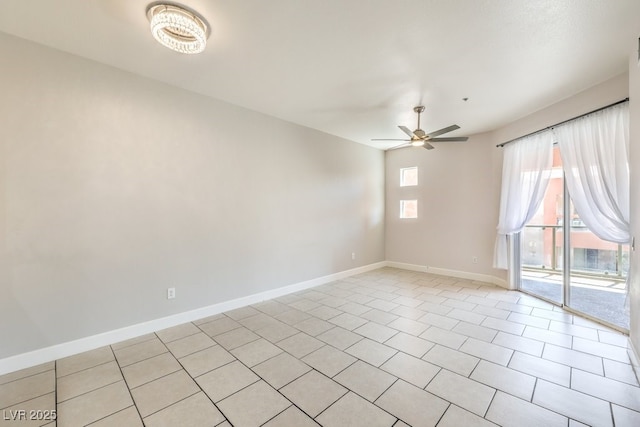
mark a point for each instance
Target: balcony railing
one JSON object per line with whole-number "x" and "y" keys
{"x": 590, "y": 256}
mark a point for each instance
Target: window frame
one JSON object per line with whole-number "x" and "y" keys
{"x": 402, "y": 209}
{"x": 402, "y": 180}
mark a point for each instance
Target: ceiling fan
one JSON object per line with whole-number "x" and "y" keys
{"x": 419, "y": 138}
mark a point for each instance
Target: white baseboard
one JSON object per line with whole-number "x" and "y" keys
{"x": 405, "y": 266}
{"x": 48, "y": 354}
{"x": 452, "y": 273}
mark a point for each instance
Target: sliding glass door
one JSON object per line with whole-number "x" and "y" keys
{"x": 595, "y": 282}
{"x": 541, "y": 249}
{"x": 597, "y": 285}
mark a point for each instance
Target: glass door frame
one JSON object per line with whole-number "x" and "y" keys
{"x": 515, "y": 272}
{"x": 566, "y": 246}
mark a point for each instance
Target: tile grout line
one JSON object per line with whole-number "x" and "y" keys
{"x": 85, "y": 369}
{"x": 26, "y": 376}
{"x": 537, "y": 379}
{"x": 55, "y": 389}
{"x": 124, "y": 379}
{"x": 249, "y": 385}
{"x": 312, "y": 369}
{"x": 91, "y": 391}
{"x": 486, "y": 412}
{"x": 255, "y": 382}
{"x": 553, "y": 410}
{"x": 354, "y": 392}
{"x": 29, "y": 399}
{"x": 110, "y": 415}
{"x": 613, "y": 421}
{"x": 171, "y": 404}
{"x": 383, "y": 288}
{"x": 194, "y": 380}
{"x": 279, "y": 413}
{"x": 134, "y": 343}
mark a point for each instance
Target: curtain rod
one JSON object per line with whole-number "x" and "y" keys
{"x": 563, "y": 122}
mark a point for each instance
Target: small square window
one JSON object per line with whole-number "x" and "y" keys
{"x": 408, "y": 176}
{"x": 408, "y": 209}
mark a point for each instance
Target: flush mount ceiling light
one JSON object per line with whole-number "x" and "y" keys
{"x": 177, "y": 28}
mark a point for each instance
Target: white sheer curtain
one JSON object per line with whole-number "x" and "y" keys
{"x": 526, "y": 170}
{"x": 595, "y": 152}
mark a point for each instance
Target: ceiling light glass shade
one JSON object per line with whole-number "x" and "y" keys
{"x": 177, "y": 28}
{"x": 417, "y": 143}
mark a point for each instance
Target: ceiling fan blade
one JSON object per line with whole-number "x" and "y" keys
{"x": 443, "y": 130}
{"x": 450, "y": 139}
{"x": 406, "y": 144}
{"x": 407, "y": 131}
{"x": 387, "y": 139}
{"x": 428, "y": 146}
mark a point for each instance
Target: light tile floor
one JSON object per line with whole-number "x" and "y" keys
{"x": 384, "y": 348}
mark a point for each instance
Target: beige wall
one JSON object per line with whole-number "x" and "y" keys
{"x": 459, "y": 191}
{"x": 458, "y": 200}
{"x": 634, "y": 162}
{"x": 114, "y": 187}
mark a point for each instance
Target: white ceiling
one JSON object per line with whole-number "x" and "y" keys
{"x": 356, "y": 68}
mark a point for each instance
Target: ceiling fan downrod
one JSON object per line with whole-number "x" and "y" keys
{"x": 419, "y": 109}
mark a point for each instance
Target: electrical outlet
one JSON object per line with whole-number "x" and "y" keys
{"x": 171, "y": 293}
{"x": 353, "y": 255}
{"x": 474, "y": 259}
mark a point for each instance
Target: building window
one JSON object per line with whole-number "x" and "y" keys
{"x": 408, "y": 176}
{"x": 408, "y": 209}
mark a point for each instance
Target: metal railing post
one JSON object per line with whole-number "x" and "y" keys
{"x": 619, "y": 261}
{"x": 554, "y": 261}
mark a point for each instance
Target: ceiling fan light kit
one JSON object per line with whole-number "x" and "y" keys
{"x": 420, "y": 138}
{"x": 177, "y": 28}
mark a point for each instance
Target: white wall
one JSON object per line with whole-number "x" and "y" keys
{"x": 607, "y": 92}
{"x": 458, "y": 201}
{"x": 114, "y": 187}
{"x": 634, "y": 163}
